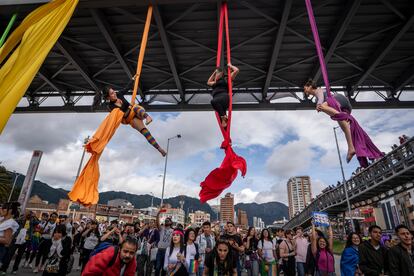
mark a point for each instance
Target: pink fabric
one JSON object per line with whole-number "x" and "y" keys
{"x": 326, "y": 261}
{"x": 301, "y": 249}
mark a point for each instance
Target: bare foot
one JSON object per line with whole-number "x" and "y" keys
{"x": 162, "y": 151}
{"x": 349, "y": 155}
{"x": 224, "y": 121}
{"x": 148, "y": 120}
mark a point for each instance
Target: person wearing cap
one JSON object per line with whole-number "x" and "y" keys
{"x": 165, "y": 239}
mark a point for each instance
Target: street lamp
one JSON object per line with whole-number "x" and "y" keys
{"x": 344, "y": 182}
{"x": 152, "y": 199}
{"x": 165, "y": 167}
{"x": 86, "y": 140}
{"x": 14, "y": 184}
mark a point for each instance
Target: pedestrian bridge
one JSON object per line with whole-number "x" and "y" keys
{"x": 392, "y": 174}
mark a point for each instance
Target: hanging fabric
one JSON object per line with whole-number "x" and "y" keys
{"x": 222, "y": 177}
{"x": 85, "y": 188}
{"x": 34, "y": 38}
{"x": 364, "y": 147}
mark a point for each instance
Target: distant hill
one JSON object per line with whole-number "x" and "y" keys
{"x": 269, "y": 212}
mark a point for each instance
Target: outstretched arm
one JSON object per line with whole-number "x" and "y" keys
{"x": 234, "y": 71}
{"x": 330, "y": 233}
{"x": 314, "y": 239}
{"x": 212, "y": 79}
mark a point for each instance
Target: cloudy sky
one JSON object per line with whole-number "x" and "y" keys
{"x": 276, "y": 146}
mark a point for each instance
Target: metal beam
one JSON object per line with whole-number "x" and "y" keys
{"x": 70, "y": 54}
{"x": 207, "y": 107}
{"x": 338, "y": 32}
{"x": 405, "y": 78}
{"x": 276, "y": 47}
{"x": 382, "y": 51}
{"x": 168, "y": 51}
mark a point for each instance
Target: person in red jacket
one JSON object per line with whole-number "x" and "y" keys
{"x": 113, "y": 261}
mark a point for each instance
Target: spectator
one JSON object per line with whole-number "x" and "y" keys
{"x": 34, "y": 245}
{"x": 322, "y": 252}
{"x": 252, "y": 258}
{"x": 143, "y": 258}
{"x": 287, "y": 253}
{"x": 280, "y": 237}
{"x": 129, "y": 230}
{"x": 8, "y": 226}
{"x": 114, "y": 261}
{"x": 91, "y": 240}
{"x": 206, "y": 243}
{"x": 401, "y": 256}
{"x": 112, "y": 235}
{"x": 301, "y": 249}
{"x": 192, "y": 254}
{"x": 59, "y": 253}
{"x": 220, "y": 261}
{"x": 235, "y": 242}
{"x": 163, "y": 243}
{"x": 154, "y": 238}
{"x": 266, "y": 249}
{"x": 47, "y": 229}
{"x": 372, "y": 256}
{"x": 350, "y": 256}
{"x": 174, "y": 260}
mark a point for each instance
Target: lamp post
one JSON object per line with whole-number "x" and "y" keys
{"x": 83, "y": 156}
{"x": 165, "y": 167}
{"x": 152, "y": 199}
{"x": 344, "y": 182}
{"x": 14, "y": 184}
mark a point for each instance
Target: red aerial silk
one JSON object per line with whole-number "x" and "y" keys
{"x": 221, "y": 178}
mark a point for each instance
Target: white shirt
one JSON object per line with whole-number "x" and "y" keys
{"x": 191, "y": 252}
{"x": 91, "y": 241}
{"x": 171, "y": 258}
{"x": 8, "y": 224}
{"x": 267, "y": 247}
{"x": 47, "y": 230}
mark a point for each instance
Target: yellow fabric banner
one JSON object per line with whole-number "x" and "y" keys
{"x": 37, "y": 34}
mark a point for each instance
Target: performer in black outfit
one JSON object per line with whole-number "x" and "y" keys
{"x": 220, "y": 101}
{"x": 134, "y": 115}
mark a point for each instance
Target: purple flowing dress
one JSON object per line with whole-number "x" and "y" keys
{"x": 364, "y": 147}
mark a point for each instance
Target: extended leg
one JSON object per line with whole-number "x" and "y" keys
{"x": 139, "y": 125}
{"x": 220, "y": 104}
{"x": 142, "y": 114}
{"x": 346, "y": 128}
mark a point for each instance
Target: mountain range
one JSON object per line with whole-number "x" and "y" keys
{"x": 269, "y": 211}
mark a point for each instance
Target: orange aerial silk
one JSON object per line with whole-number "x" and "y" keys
{"x": 85, "y": 189}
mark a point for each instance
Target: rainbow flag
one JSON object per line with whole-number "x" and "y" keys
{"x": 193, "y": 268}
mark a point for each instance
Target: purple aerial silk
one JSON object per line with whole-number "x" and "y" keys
{"x": 364, "y": 147}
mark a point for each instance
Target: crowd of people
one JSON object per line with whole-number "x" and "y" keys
{"x": 48, "y": 245}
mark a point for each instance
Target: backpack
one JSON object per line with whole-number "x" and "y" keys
{"x": 101, "y": 247}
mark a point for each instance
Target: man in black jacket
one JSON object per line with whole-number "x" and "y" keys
{"x": 401, "y": 256}
{"x": 372, "y": 255}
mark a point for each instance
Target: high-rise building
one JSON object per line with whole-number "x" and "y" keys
{"x": 227, "y": 208}
{"x": 299, "y": 194}
{"x": 242, "y": 220}
{"x": 198, "y": 217}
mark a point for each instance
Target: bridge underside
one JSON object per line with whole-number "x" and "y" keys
{"x": 368, "y": 46}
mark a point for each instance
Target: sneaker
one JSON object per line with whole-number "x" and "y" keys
{"x": 30, "y": 266}
{"x": 14, "y": 272}
{"x": 36, "y": 270}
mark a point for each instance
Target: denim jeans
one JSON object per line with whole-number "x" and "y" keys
{"x": 300, "y": 268}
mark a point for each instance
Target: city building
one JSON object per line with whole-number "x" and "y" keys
{"x": 198, "y": 217}
{"x": 242, "y": 219}
{"x": 299, "y": 194}
{"x": 227, "y": 208}
{"x": 258, "y": 223}
{"x": 177, "y": 215}
{"x": 120, "y": 203}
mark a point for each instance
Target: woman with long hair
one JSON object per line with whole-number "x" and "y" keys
{"x": 252, "y": 258}
{"x": 339, "y": 108}
{"x": 134, "y": 115}
{"x": 192, "y": 255}
{"x": 9, "y": 212}
{"x": 220, "y": 93}
{"x": 322, "y": 252}
{"x": 59, "y": 253}
{"x": 220, "y": 262}
{"x": 175, "y": 261}
{"x": 350, "y": 256}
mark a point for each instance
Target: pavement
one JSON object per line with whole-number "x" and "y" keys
{"x": 28, "y": 272}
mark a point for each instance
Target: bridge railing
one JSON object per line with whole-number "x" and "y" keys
{"x": 379, "y": 172}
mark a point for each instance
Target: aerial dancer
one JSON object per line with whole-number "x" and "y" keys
{"x": 133, "y": 114}
{"x": 338, "y": 107}
{"x": 220, "y": 93}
